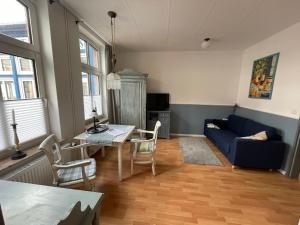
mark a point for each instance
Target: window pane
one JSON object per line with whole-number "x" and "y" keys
{"x": 25, "y": 64}
{"x": 96, "y": 94}
{"x": 87, "y": 101}
{"x": 14, "y": 20}
{"x": 6, "y": 65}
{"x": 28, "y": 89}
{"x": 83, "y": 51}
{"x": 95, "y": 89}
{"x": 85, "y": 83}
{"x": 93, "y": 57}
{"x": 8, "y": 90}
{"x": 20, "y": 82}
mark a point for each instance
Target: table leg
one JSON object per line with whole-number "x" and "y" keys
{"x": 120, "y": 161}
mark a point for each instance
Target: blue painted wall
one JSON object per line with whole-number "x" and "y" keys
{"x": 189, "y": 119}
{"x": 287, "y": 128}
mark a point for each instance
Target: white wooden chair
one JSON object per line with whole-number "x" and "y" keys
{"x": 71, "y": 174}
{"x": 142, "y": 151}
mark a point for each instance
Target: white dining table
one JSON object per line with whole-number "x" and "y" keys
{"x": 32, "y": 204}
{"x": 117, "y": 142}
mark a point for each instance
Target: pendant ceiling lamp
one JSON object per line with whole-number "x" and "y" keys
{"x": 113, "y": 79}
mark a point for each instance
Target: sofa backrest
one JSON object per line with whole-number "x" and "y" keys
{"x": 236, "y": 124}
{"x": 246, "y": 127}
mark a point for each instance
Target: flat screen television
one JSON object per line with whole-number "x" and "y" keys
{"x": 158, "y": 101}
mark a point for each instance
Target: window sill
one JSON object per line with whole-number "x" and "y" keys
{"x": 8, "y": 164}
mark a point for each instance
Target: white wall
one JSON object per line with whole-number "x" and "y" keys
{"x": 286, "y": 92}
{"x": 192, "y": 77}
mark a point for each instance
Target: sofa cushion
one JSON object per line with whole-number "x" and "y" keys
{"x": 222, "y": 138}
{"x": 236, "y": 124}
{"x": 222, "y": 124}
{"x": 251, "y": 127}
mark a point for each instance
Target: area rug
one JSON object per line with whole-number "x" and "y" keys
{"x": 196, "y": 151}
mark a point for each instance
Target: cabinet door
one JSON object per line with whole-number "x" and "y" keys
{"x": 131, "y": 105}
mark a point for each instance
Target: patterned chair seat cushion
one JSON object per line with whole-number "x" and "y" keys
{"x": 73, "y": 174}
{"x": 145, "y": 147}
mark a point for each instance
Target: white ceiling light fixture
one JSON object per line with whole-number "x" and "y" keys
{"x": 113, "y": 79}
{"x": 206, "y": 43}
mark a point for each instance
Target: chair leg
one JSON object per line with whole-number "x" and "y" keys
{"x": 153, "y": 167}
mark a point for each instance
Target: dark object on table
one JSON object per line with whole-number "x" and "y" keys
{"x": 99, "y": 128}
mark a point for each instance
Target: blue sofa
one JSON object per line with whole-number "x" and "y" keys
{"x": 244, "y": 152}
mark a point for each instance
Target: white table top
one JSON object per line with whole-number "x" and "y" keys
{"x": 117, "y": 140}
{"x": 31, "y": 204}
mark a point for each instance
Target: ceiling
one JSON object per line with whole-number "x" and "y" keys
{"x": 159, "y": 25}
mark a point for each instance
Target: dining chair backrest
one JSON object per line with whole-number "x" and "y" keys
{"x": 51, "y": 147}
{"x": 156, "y": 128}
{"x": 155, "y": 134}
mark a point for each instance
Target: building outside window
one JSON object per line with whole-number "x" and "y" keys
{"x": 19, "y": 79}
{"x": 91, "y": 77}
{"x": 17, "y": 70}
{"x": 6, "y": 65}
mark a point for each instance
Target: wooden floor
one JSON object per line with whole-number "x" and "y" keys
{"x": 194, "y": 194}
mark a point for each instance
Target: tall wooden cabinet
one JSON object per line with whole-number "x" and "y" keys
{"x": 133, "y": 98}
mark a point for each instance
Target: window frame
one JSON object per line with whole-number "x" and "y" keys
{"x": 17, "y": 48}
{"x": 88, "y": 69}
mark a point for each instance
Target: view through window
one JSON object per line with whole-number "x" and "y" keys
{"x": 14, "y": 23}
{"x": 91, "y": 78}
{"x": 17, "y": 78}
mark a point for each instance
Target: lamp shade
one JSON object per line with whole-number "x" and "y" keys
{"x": 113, "y": 81}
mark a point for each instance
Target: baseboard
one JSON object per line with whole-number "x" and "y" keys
{"x": 187, "y": 135}
{"x": 283, "y": 172}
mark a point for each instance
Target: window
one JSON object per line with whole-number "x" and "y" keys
{"x": 91, "y": 78}
{"x": 25, "y": 65}
{"x": 83, "y": 51}
{"x": 20, "y": 83}
{"x": 93, "y": 57}
{"x": 85, "y": 84}
{"x": 14, "y": 20}
{"x": 8, "y": 90}
{"x": 19, "y": 77}
{"x": 6, "y": 65}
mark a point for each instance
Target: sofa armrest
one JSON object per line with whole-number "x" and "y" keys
{"x": 219, "y": 122}
{"x": 261, "y": 154}
{"x": 207, "y": 121}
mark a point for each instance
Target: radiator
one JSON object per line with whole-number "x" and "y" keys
{"x": 36, "y": 172}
